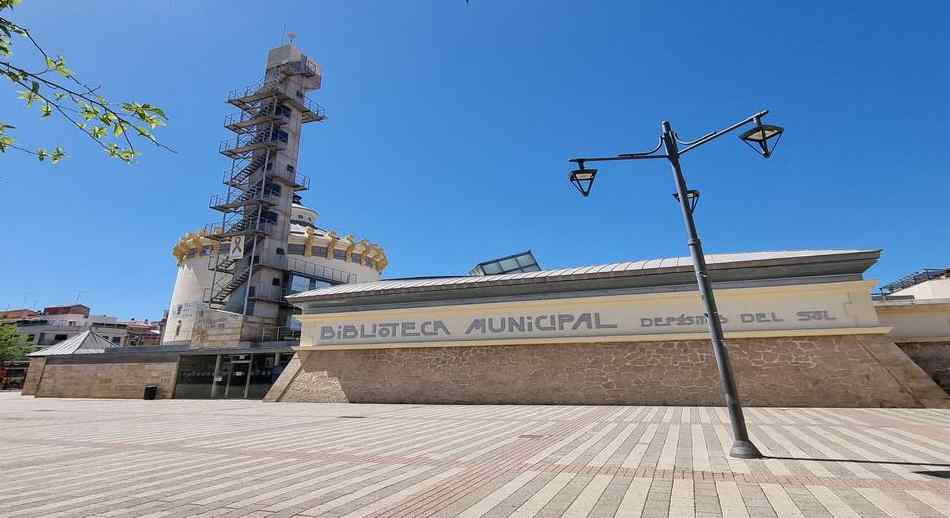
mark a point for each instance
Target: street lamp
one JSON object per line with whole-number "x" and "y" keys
{"x": 761, "y": 137}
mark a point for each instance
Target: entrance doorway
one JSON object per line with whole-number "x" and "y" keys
{"x": 237, "y": 377}
{"x": 229, "y": 376}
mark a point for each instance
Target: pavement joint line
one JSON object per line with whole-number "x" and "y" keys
{"x": 841, "y": 462}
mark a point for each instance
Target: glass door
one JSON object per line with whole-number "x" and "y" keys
{"x": 237, "y": 379}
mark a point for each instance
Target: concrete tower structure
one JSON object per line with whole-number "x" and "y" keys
{"x": 234, "y": 273}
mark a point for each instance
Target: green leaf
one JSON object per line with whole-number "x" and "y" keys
{"x": 97, "y": 132}
{"x": 27, "y": 96}
{"x": 5, "y": 140}
{"x": 57, "y": 155}
{"x": 88, "y": 112}
{"x": 118, "y": 129}
{"x": 47, "y": 110}
{"x": 35, "y": 87}
{"x": 41, "y": 154}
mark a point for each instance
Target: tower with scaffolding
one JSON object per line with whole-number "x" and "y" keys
{"x": 261, "y": 184}
{"x": 235, "y": 272}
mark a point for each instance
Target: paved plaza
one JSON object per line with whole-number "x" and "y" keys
{"x": 176, "y": 458}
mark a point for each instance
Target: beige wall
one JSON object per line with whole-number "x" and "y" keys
{"x": 748, "y": 312}
{"x": 932, "y": 289}
{"x": 916, "y": 320}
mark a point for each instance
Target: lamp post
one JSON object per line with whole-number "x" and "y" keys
{"x": 759, "y": 137}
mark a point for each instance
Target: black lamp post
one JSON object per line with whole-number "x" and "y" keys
{"x": 759, "y": 137}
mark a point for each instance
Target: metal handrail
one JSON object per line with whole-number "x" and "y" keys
{"x": 265, "y": 85}
{"x": 321, "y": 271}
{"x": 279, "y": 334}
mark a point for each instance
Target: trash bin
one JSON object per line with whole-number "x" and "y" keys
{"x": 151, "y": 392}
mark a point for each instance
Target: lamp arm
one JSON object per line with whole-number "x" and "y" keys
{"x": 716, "y": 134}
{"x": 624, "y": 156}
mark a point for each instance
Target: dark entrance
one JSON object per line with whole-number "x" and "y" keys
{"x": 229, "y": 376}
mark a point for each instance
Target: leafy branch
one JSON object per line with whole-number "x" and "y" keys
{"x": 111, "y": 126}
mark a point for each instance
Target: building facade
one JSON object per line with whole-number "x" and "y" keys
{"x": 801, "y": 330}
{"x": 58, "y": 323}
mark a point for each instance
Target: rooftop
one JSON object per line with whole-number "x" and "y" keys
{"x": 87, "y": 342}
{"x": 669, "y": 271}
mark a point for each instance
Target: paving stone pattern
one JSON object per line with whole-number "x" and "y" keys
{"x": 178, "y": 458}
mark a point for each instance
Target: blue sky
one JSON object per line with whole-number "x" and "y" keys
{"x": 450, "y": 126}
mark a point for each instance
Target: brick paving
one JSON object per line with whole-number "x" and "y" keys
{"x": 177, "y": 458}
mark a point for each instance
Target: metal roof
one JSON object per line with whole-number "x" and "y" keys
{"x": 612, "y": 270}
{"x": 87, "y": 342}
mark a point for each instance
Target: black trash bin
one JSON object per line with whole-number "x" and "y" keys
{"x": 151, "y": 392}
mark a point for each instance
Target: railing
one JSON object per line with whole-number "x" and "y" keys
{"x": 279, "y": 334}
{"x": 77, "y": 325}
{"x": 321, "y": 271}
{"x": 241, "y": 226}
{"x": 302, "y": 182}
{"x": 243, "y": 140}
{"x": 218, "y": 200}
{"x": 265, "y": 87}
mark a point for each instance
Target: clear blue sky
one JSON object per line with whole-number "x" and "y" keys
{"x": 450, "y": 126}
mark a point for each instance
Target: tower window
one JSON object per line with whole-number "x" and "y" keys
{"x": 276, "y": 281}
{"x": 290, "y": 168}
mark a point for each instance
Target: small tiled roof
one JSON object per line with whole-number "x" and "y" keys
{"x": 624, "y": 269}
{"x": 87, "y": 342}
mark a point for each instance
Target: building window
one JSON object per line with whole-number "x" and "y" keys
{"x": 299, "y": 283}
{"x": 280, "y": 135}
{"x": 276, "y": 281}
{"x": 59, "y": 338}
{"x": 295, "y": 249}
{"x": 282, "y": 110}
{"x": 357, "y": 258}
{"x": 250, "y": 291}
{"x": 339, "y": 254}
{"x": 72, "y": 323}
{"x": 250, "y": 307}
{"x": 116, "y": 339}
{"x": 178, "y": 311}
{"x": 178, "y": 328}
{"x": 280, "y": 251}
{"x": 290, "y": 168}
{"x": 319, "y": 251}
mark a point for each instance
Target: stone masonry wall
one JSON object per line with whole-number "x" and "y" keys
{"x": 33, "y": 376}
{"x": 94, "y": 376}
{"x": 826, "y": 371}
{"x": 933, "y": 358}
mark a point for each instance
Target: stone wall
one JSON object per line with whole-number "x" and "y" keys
{"x": 107, "y": 376}
{"x": 825, "y": 371}
{"x": 33, "y": 376}
{"x": 933, "y": 358}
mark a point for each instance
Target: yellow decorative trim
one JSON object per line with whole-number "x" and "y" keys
{"x": 308, "y": 242}
{"x": 191, "y": 241}
{"x": 331, "y": 244}
{"x": 880, "y": 330}
{"x": 348, "y": 251}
